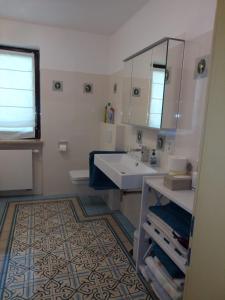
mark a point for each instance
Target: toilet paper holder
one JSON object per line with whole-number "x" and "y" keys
{"x": 63, "y": 146}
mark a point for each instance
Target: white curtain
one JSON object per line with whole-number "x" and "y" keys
{"x": 17, "y": 95}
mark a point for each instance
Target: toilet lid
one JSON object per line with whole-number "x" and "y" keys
{"x": 79, "y": 175}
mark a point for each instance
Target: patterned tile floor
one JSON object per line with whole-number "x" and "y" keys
{"x": 95, "y": 205}
{"x": 51, "y": 251}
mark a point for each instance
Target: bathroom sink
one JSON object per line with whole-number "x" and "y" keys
{"x": 124, "y": 170}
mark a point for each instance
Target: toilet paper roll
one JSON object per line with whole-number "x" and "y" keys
{"x": 177, "y": 165}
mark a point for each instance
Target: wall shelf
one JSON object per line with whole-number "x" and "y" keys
{"x": 184, "y": 199}
{"x": 21, "y": 142}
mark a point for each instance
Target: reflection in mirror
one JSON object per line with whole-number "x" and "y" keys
{"x": 152, "y": 84}
{"x": 156, "y": 103}
{"x": 157, "y": 85}
{"x": 139, "y": 100}
{"x": 126, "y": 91}
{"x": 173, "y": 84}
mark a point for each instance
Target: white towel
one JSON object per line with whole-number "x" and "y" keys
{"x": 166, "y": 230}
{"x": 162, "y": 279}
{"x": 176, "y": 283}
{"x": 159, "y": 291}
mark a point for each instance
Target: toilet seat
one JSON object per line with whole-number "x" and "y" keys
{"x": 79, "y": 176}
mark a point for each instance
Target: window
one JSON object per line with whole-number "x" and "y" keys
{"x": 19, "y": 93}
{"x": 157, "y": 90}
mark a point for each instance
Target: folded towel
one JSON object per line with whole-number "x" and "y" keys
{"x": 176, "y": 217}
{"x": 168, "y": 264}
{"x": 97, "y": 179}
{"x": 164, "y": 283}
{"x": 167, "y": 232}
{"x": 157, "y": 288}
{"x": 159, "y": 291}
{"x": 177, "y": 283}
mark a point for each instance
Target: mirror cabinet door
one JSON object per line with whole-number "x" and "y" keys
{"x": 140, "y": 89}
{"x": 127, "y": 72}
{"x": 152, "y": 85}
{"x": 172, "y": 84}
{"x": 156, "y": 95}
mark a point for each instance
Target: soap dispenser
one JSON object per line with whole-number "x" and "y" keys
{"x": 153, "y": 158}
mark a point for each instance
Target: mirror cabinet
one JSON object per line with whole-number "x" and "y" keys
{"x": 152, "y": 84}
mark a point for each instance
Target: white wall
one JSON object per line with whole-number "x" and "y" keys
{"x": 205, "y": 276}
{"x": 72, "y": 116}
{"x": 74, "y": 58}
{"x": 191, "y": 20}
{"x": 193, "y": 100}
{"x": 61, "y": 49}
{"x": 157, "y": 19}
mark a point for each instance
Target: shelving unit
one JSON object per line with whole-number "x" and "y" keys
{"x": 155, "y": 193}
{"x": 184, "y": 199}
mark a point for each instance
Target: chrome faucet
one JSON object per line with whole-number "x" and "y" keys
{"x": 134, "y": 152}
{"x": 144, "y": 150}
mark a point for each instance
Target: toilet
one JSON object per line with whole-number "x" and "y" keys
{"x": 79, "y": 177}
{"x": 80, "y": 180}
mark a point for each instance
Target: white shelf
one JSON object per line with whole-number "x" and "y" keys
{"x": 21, "y": 142}
{"x": 184, "y": 199}
{"x": 176, "y": 258}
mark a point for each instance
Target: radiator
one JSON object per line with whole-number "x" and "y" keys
{"x": 16, "y": 170}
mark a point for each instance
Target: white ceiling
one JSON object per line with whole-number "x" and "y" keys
{"x": 95, "y": 16}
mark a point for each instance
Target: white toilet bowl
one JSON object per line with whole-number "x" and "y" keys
{"x": 79, "y": 177}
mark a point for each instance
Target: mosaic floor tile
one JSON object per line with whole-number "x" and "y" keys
{"x": 95, "y": 205}
{"x": 54, "y": 252}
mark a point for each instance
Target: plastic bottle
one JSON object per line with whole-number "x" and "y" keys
{"x": 108, "y": 106}
{"x": 111, "y": 115}
{"x": 105, "y": 114}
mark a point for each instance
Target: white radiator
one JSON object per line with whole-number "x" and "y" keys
{"x": 16, "y": 170}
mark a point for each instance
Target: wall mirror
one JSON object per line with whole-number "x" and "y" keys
{"x": 152, "y": 84}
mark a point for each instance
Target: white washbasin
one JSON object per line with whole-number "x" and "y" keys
{"x": 124, "y": 170}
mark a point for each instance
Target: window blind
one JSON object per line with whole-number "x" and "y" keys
{"x": 17, "y": 95}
